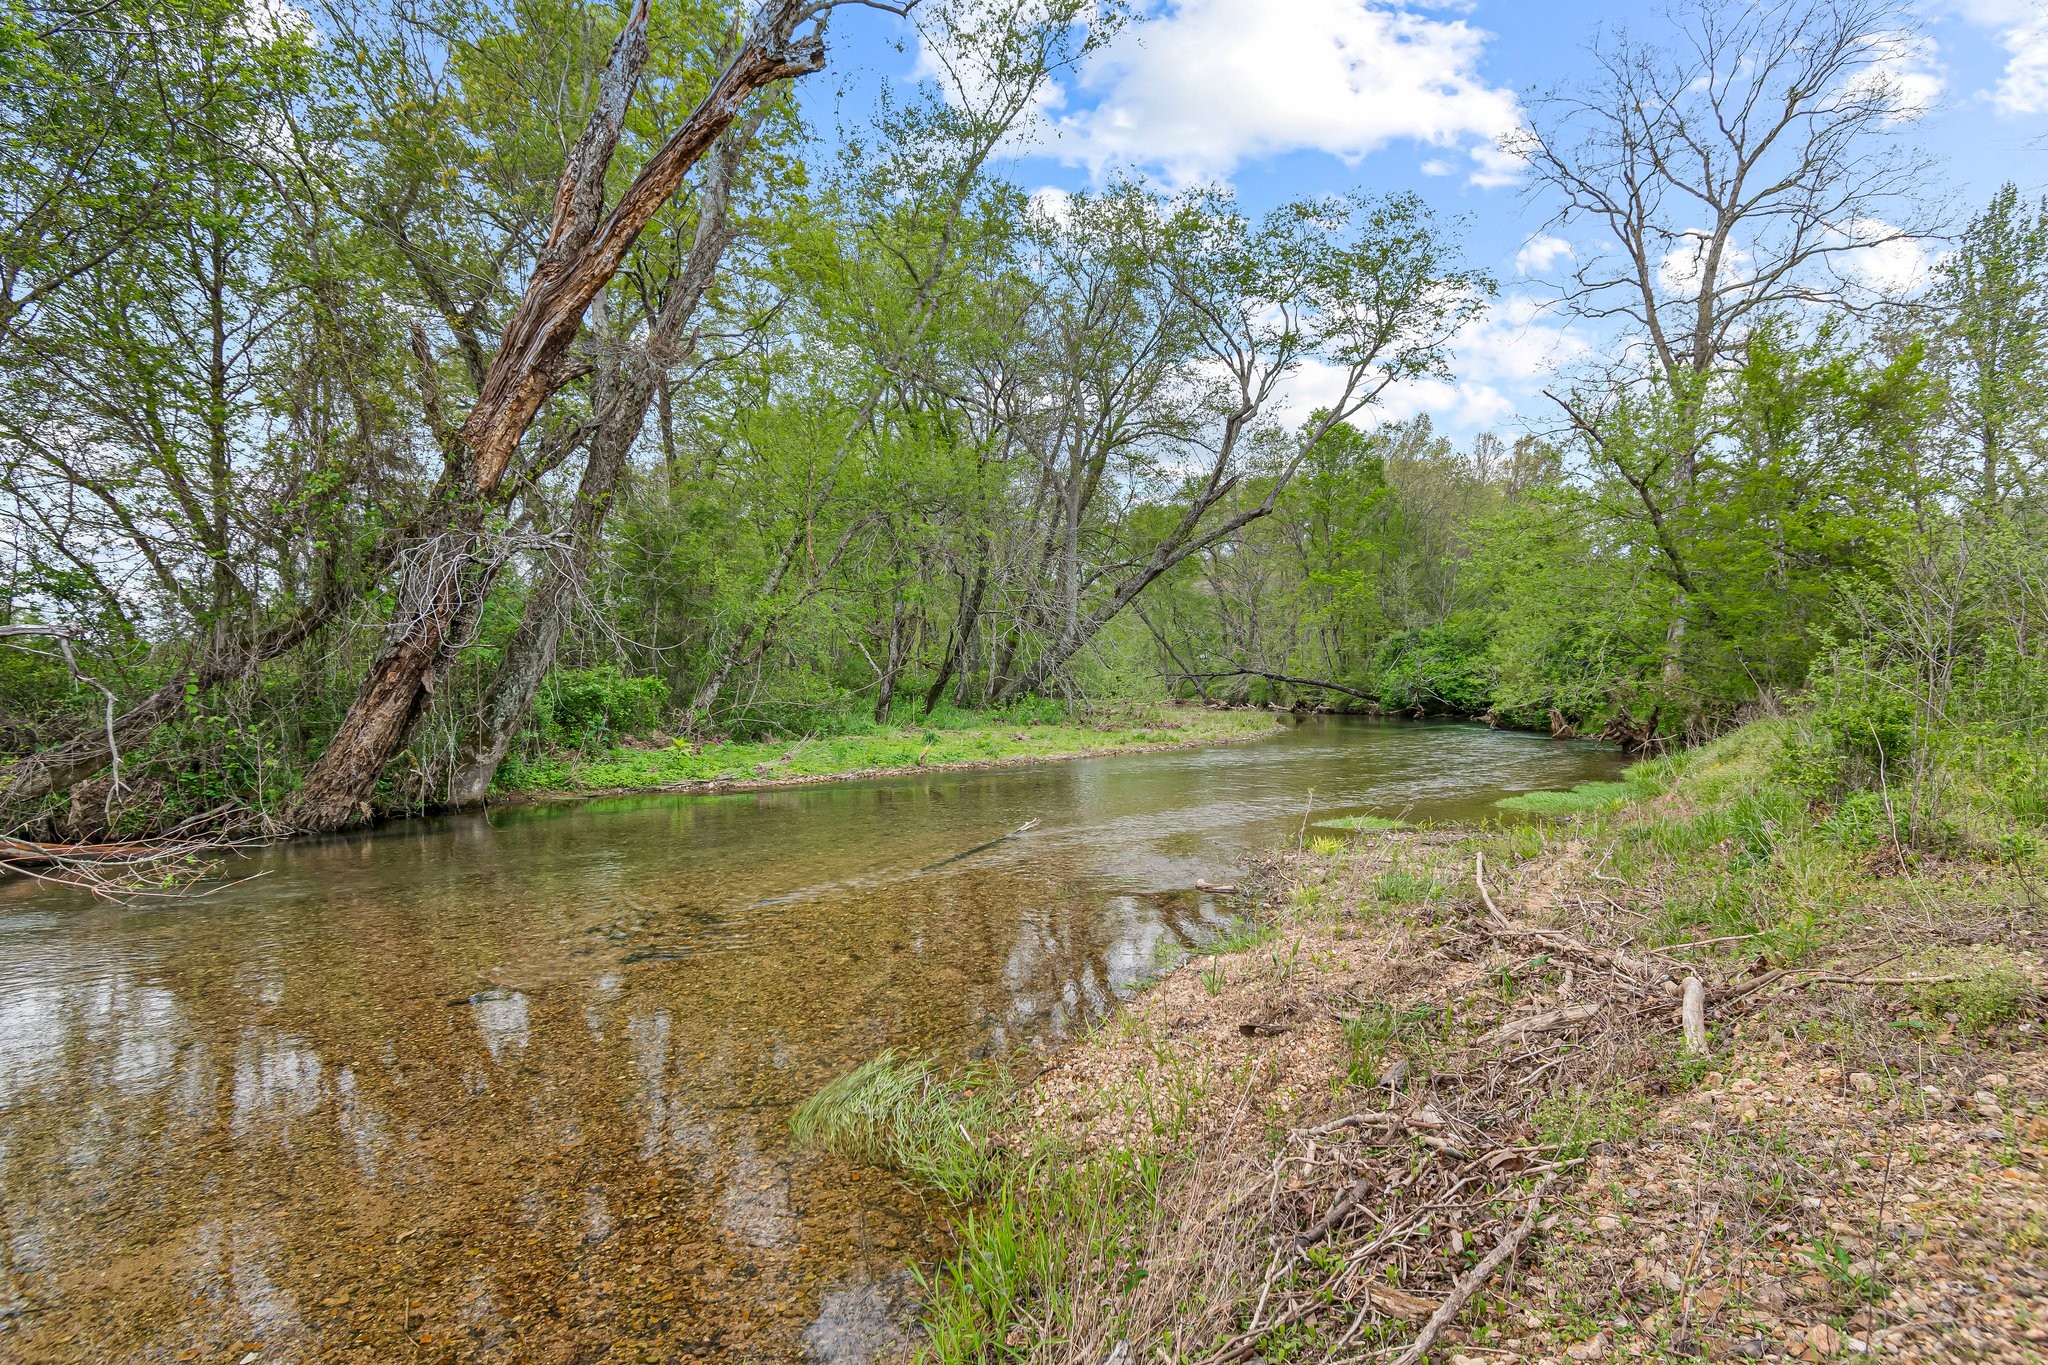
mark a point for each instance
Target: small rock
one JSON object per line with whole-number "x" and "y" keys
{"x": 1984, "y": 1097}
{"x": 1606, "y": 1222}
{"x": 1594, "y": 1348}
{"x": 1751, "y": 1348}
{"x": 1669, "y": 1279}
{"x": 1862, "y": 1082}
{"x": 1997, "y": 1080}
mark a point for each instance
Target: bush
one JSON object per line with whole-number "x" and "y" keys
{"x": 590, "y": 707}
{"x": 1436, "y": 668}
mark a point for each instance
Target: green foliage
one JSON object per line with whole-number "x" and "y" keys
{"x": 589, "y": 707}
{"x": 1572, "y": 1124}
{"x": 1991, "y": 991}
{"x": 859, "y": 745}
{"x": 1361, "y": 824}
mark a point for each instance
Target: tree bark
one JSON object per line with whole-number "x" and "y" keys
{"x": 962, "y": 637}
{"x": 886, "y": 696}
{"x": 584, "y": 249}
{"x": 625, "y": 390}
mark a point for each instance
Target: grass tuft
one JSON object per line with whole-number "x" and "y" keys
{"x": 901, "y": 1114}
{"x": 1583, "y": 799}
{"x": 1361, "y": 824}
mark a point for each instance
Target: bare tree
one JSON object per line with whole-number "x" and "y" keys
{"x": 1737, "y": 169}
{"x": 1742, "y": 167}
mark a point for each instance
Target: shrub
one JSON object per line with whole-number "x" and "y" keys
{"x": 590, "y": 707}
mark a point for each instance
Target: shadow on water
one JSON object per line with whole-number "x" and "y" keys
{"x": 519, "y": 1088}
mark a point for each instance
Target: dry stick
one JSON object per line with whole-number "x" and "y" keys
{"x": 1469, "y": 1284}
{"x": 1693, "y": 1015}
{"x": 1563, "y": 1017}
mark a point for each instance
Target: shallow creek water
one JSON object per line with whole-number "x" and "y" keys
{"x": 518, "y": 1088}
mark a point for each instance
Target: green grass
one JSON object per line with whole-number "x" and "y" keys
{"x": 884, "y": 747}
{"x": 901, "y": 1114}
{"x": 1028, "y": 1217}
{"x": 1361, "y": 824}
{"x": 1580, "y": 800}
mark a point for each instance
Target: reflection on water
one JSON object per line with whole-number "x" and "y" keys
{"x": 518, "y": 1088}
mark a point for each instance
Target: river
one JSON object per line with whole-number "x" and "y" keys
{"x": 518, "y": 1087}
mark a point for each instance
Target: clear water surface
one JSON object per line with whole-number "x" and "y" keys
{"x": 518, "y": 1088}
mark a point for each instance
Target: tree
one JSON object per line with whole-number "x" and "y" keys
{"x": 1365, "y": 287}
{"x": 448, "y": 567}
{"x": 1993, "y": 291}
{"x": 1734, "y": 172}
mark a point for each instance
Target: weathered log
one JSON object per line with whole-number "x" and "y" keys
{"x": 1693, "y": 1015}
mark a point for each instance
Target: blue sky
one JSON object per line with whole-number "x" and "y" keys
{"x": 1280, "y": 98}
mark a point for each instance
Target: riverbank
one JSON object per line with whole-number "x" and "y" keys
{"x": 684, "y": 766}
{"x": 1405, "y": 1106}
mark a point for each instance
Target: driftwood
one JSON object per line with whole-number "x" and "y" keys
{"x": 1546, "y": 1022}
{"x": 1693, "y": 1015}
{"x": 19, "y": 851}
{"x": 1469, "y": 1284}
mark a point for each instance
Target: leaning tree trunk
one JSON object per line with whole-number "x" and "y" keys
{"x": 584, "y": 249}
{"x": 625, "y": 391}
{"x": 885, "y": 698}
{"x": 962, "y": 637}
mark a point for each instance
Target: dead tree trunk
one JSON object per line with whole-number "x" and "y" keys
{"x": 625, "y": 391}
{"x": 584, "y": 249}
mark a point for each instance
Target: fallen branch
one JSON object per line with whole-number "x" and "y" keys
{"x": 1821, "y": 978}
{"x": 18, "y": 851}
{"x": 1693, "y": 1015}
{"x": 1546, "y": 1021}
{"x": 1557, "y": 940}
{"x": 1321, "y": 683}
{"x": 1470, "y": 1283}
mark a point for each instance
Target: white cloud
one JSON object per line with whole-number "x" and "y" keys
{"x": 1895, "y": 266}
{"x": 2024, "y": 87}
{"x": 2023, "y": 31}
{"x": 1905, "y": 72}
{"x": 1499, "y": 363}
{"x": 1539, "y": 254}
{"x": 1052, "y": 203}
{"x": 1679, "y": 272}
{"x": 1200, "y": 86}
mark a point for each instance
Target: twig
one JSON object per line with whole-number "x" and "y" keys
{"x": 1470, "y": 1282}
